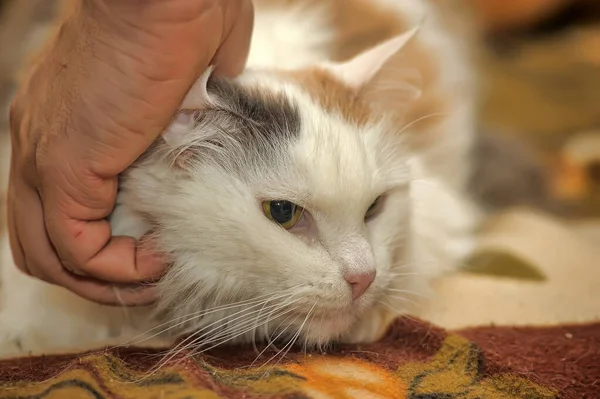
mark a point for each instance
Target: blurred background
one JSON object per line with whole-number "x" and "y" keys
{"x": 541, "y": 74}
{"x": 539, "y": 66}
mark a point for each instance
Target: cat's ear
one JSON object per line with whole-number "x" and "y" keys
{"x": 196, "y": 100}
{"x": 197, "y": 97}
{"x": 359, "y": 71}
{"x": 178, "y": 138}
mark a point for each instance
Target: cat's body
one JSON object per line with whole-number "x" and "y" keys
{"x": 397, "y": 122}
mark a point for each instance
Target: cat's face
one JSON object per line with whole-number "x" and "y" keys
{"x": 283, "y": 201}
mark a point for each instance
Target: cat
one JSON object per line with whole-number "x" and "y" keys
{"x": 306, "y": 199}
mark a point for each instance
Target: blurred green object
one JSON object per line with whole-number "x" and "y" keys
{"x": 503, "y": 264}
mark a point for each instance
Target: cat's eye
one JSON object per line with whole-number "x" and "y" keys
{"x": 374, "y": 208}
{"x": 284, "y": 213}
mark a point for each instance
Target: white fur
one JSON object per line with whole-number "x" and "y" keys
{"x": 227, "y": 251}
{"x": 288, "y": 38}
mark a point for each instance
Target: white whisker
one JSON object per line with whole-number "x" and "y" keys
{"x": 275, "y": 308}
{"x": 400, "y": 298}
{"x": 202, "y": 333}
{"x": 274, "y": 339}
{"x": 410, "y": 124}
{"x": 293, "y": 339}
{"x": 171, "y": 356}
{"x": 195, "y": 315}
{"x": 238, "y": 333}
{"x": 408, "y": 292}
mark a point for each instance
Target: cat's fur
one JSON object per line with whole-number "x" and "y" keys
{"x": 298, "y": 125}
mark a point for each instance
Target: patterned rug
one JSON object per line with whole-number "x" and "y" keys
{"x": 415, "y": 360}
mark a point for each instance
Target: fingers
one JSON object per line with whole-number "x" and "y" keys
{"x": 83, "y": 240}
{"x": 111, "y": 259}
{"x": 231, "y": 57}
{"x": 34, "y": 254}
{"x": 75, "y": 205}
{"x": 119, "y": 259}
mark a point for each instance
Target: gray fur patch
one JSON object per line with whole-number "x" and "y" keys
{"x": 270, "y": 116}
{"x": 248, "y": 122}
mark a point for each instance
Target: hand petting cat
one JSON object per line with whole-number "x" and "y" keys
{"x": 100, "y": 95}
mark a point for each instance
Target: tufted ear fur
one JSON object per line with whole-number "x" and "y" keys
{"x": 182, "y": 122}
{"x": 176, "y": 134}
{"x": 196, "y": 99}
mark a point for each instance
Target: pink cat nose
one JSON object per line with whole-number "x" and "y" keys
{"x": 359, "y": 282}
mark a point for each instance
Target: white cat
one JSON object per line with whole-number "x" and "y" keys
{"x": 304, "y": 200}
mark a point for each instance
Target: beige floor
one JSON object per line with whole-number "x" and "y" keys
{"x": 568, "y": 258}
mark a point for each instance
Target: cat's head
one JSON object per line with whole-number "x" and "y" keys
{"x": 282, "y": 198}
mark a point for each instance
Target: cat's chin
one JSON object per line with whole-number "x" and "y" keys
{"x": 371, "y": 327}
{"x": 330, "y": 327}
{"x": 348, "y": 327}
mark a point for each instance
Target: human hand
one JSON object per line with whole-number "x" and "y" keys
{"x": 97, "y": 99}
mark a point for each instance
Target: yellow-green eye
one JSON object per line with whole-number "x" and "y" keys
{"x": 284, "y": 213}
{"x": 374, "y": 208}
